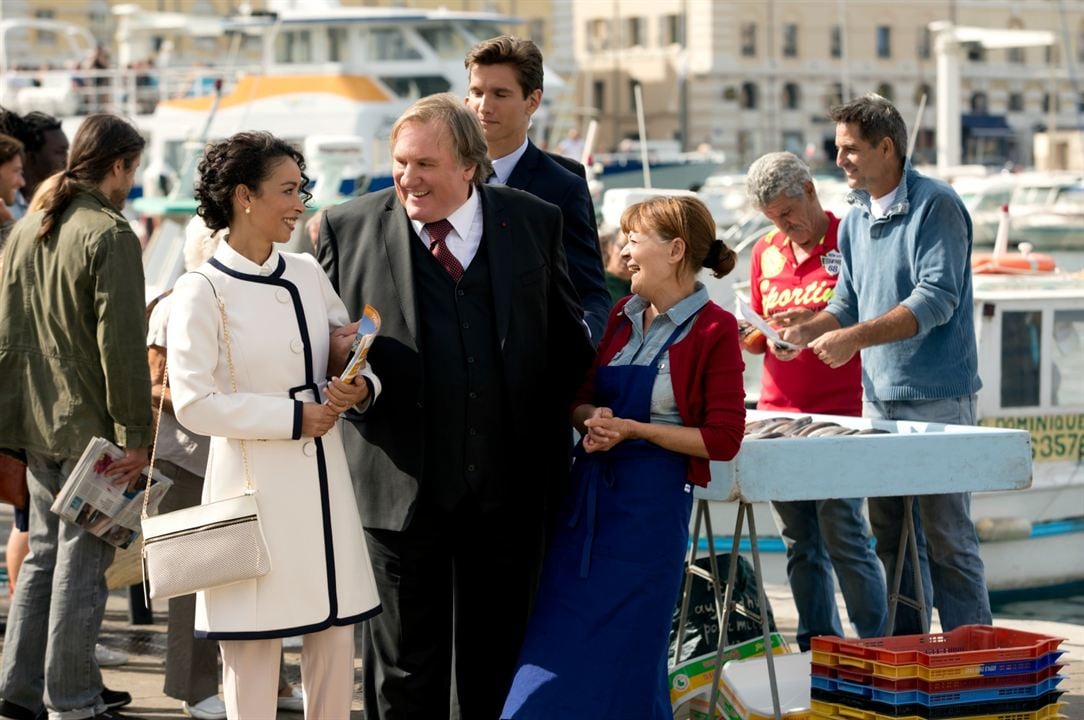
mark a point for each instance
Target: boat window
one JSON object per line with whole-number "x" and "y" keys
{"x": 445, "y": 41}
{"x": 1021, "y": 342}
{"x": 336, "y": 44}
{"x": 293, "y": 46}
{"x": 390, "y": 44}
{"x": 1067, "y": 358}
{"x": 413, "y": 87}
{"x": 482, "y": 29}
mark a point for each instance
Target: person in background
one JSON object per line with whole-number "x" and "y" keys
{"x": 78, "y": 344}
{"x": 11, "y": 181}
{"x": 665, "y": 396}
{"x": 793, "y": 271}
{"x": 904, "y": 301}
{"x": 504, "y": 91}
{"x": 618, "y": 277}
{"x": 46, "y": 151}
{"x": 572, "y": 145}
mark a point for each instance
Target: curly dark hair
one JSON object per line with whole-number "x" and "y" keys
{"x": 242, "y": 159}
{"x": 29, "y": 129}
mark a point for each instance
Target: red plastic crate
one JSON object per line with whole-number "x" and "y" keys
{"x": 966, "y": 645}
{"x": 936, "y": 686}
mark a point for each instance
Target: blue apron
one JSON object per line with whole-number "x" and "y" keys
{"x": 596, "y": 644}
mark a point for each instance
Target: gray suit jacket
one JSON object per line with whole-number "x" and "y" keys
{"x": 364, "y": 250}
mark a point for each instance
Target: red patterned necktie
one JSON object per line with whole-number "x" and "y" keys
{"x": 438, "y": 231}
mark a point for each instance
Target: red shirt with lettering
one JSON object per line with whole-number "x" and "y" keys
{"x": 778, "y": 282}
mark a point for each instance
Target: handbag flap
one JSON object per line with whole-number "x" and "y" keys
{"x": 200, "y": 515}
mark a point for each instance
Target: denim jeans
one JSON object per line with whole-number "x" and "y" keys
{"x": 58, "y": 607}
{"x": 821, "y": 535}
{"x": 953, "y": 577}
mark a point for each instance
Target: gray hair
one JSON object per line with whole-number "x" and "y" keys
{"x": 775, "y": 175}
{"x": 468, "y": 140}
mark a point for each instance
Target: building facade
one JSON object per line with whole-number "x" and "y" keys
{"x": 748, "y": 77}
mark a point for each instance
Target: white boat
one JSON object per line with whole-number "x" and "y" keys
{"x": 1030, "y": 332}
{"x": 669, "y": 166}
{"x": 313, "y": 69}
{"x": 1046, "y": 209}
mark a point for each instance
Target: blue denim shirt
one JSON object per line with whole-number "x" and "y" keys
{"x": 642, "y": 347}
{"x": 918, "y": 255}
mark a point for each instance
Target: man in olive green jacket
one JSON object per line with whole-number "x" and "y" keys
{"x": 73, "y": 360}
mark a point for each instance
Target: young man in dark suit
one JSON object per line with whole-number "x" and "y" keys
{"x": 505, "y": 89}
{"x": 481, "y": 347}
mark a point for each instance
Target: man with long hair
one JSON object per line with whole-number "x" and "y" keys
{"x": 72, "y": 347}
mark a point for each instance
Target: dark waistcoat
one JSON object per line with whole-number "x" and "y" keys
{"x": 465, "y": 405}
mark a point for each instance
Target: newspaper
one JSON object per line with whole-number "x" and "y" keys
{"x": 368, "y": 327}
{"x": 747, "y": 313}
{"x": 92, "y": 500}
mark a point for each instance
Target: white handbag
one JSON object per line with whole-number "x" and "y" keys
{"x": 209, "y": 545}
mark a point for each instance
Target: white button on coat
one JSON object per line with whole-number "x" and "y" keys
{"x": 282, "y": 295}
{"x": 297, "y": 346}
{"x": 309, "y": 448}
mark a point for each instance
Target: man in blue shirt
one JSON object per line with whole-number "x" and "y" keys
{"x": 904, "y": 300}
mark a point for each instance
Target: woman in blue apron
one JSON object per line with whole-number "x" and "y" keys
{"x": 665, "y": 396}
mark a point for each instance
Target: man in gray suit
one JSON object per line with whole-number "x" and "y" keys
{"x": 480, "y": 349}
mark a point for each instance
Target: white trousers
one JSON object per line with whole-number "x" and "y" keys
{"x": 250, "y": 675}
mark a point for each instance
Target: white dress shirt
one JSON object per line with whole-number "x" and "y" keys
{"x": 466, "y": 234}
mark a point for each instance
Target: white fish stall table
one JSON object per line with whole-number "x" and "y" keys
{"x": 904, "y": 459}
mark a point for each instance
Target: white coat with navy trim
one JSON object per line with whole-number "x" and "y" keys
{"x": 280, "y": 316}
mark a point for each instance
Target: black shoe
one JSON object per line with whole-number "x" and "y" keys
{"x": 114, "y": 699}
{"x": 11, "y": 711}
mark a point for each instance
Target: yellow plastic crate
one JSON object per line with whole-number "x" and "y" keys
{"x": 832, "y": 711}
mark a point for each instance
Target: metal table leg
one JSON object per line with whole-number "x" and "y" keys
{"x": 908, "y": 544}
{"x": 768, "y": 654}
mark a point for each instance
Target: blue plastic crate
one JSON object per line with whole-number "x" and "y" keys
{"x": 959, "y": 697}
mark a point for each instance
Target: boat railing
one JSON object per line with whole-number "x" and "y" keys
{"x": 67, "y": 92}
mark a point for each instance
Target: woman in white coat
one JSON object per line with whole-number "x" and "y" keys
{"x": 280, "y": 309}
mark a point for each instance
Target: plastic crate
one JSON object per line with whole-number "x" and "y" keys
{"x": 897, "y": 672}
{"x": 936, "y": 686}
{"x": 937, "y": 712}
{"x": 957, "y": 697}
{"x": 833, "y": 711}
{"x": 965, "y": 645}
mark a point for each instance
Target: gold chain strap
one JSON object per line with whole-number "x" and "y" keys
{"x": 162, "y": 403}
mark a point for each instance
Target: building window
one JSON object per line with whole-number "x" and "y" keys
{"x": 884, "y": 42}
{"x": 536, "y": 30}
{"x": 1080, "y": 43}
{"x": 790, "y": 40}
{"x": 794, "y": 142}
{"x": 598, "y": 35}
{"x": 1016, "y": 102}
{"x": 835, "y": 41}
{"x": 336, "y": 44}
{"x": 979, "y": 103}
{"x": 634, "y": 31}
{"x": 749, "y": 39}
{"x": 598, "y": 95}
{"x": 1048, "y": 100}
{"x": 1015, "y": 55}
{"x": 792, "y": 96}
{"x": 923, "y": 90}
{"x": 834, "y": 95}
{"x": 1052, "y": 55}
{"x": 924, "y": 44}
{"x": 749, "y": 96}
{"x": 976, "y": 52}
{"x": 672, "y": 30}
{"x": 885, "y": 91}
{"x": 633, "y": 84}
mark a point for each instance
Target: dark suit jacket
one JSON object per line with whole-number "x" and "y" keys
{"x": 577, "y": 168}
{"x": 542, "y": 176}
{"x": 364, "y": 248}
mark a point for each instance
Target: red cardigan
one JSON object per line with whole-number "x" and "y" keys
{"x": 706, "y": 370}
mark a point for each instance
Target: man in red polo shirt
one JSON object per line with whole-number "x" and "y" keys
{"x": 793, "y": 275}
